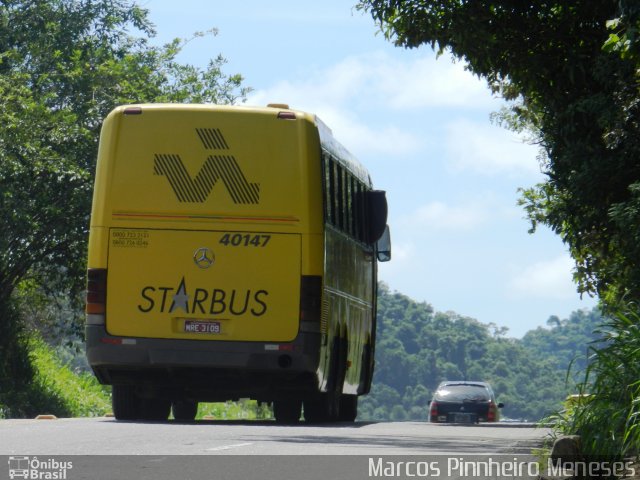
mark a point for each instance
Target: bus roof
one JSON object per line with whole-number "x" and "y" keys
{"x": 327, "y": 140}
{"x": 335, "y": 148}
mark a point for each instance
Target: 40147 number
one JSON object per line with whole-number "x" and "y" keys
{"x": 244, "y": 240}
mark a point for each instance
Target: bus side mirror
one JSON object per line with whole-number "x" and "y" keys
{"x": 376, "y": 202}
{"x": 383, "y": 246}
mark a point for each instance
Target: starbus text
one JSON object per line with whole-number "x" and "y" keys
{"x": 204, "y": 301}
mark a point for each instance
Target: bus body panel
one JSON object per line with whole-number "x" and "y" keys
{"x": 348, "y": 309}
{"x": 203, "y": 284}
{"x": 203, "y": 165}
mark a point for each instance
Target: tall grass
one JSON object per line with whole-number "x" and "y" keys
{"x": 607, "y": 415}
{"x": 61, "y": 391}
{"x": 241, "y": 410}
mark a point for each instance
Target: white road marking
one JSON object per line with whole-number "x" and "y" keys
{"x": 228, "y": 447}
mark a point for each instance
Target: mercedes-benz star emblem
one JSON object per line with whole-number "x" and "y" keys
{"x": 203, "y": 257}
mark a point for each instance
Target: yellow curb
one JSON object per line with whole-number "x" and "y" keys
{"x": 46, "y": 417}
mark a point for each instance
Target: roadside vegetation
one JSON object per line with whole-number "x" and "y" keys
{"x": 570, "y": 71}
{"x": 55, "y": 389}
{"x": 416, "y": 348}
{"x": 606, "y": 409}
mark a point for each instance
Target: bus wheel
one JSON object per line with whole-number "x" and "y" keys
{"x": 366, "y": 371}
{"x": 287, "y": 411}
{"x": 155, "y": 409}
{"x": 125, "y": 402}
{"x": 184, "y": 410}
{"x": 348, "y": 408}
{"x": 323, "y": 407}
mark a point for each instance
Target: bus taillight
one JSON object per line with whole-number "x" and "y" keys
{"x": 96, "y": 303}
{"x": 310, "y": 298}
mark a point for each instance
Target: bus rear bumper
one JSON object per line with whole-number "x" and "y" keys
{"x": 205, "y": 370}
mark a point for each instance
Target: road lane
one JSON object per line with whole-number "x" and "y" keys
{"x": 105, "y": 436}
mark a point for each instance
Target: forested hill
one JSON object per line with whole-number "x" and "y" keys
{"x": 416, "y": 348}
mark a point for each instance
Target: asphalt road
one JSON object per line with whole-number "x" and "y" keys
{"x": 105, "y": 448}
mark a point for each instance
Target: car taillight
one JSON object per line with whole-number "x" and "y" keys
{"x": 96, "y": 303}
{"x": 492, "y": 412}
{"x": 433, "y": 412}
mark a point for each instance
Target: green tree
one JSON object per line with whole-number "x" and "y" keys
{"x": 528, "y": 375}
{"x": 579, "y": 99}
{"x": 64, "y": 65}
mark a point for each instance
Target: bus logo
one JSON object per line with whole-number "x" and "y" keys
{"x": 216, "y": 167}
{"x": 203, "y": 257}
{"x": 27, "y": 467}
{"x": 18, "y": 467}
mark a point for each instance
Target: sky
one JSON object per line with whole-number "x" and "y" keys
{"x": 421, "y": 125}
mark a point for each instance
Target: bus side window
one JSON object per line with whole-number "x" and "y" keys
{"x": 335, "y": 199}
{"x": 358, "y": 202}
{"x": 339, "y": 178}
{"x": 350, "y": 230}
{"x": 329, "y": 191}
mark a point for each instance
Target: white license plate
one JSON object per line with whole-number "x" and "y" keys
{"x": 199, "y": 326}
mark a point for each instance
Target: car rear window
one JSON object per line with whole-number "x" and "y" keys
{"x": 461, "y": 393}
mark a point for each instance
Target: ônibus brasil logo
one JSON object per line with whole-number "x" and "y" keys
{"x": 38, "y": 469}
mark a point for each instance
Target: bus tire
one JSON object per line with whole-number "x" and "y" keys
{"x": 348, "y": 408}
{"x": 184, "y": 410}
{"x": 155, "y": 409}
{"x": 366, "y": 371}
{"x": 334, "y": 365}
{"x": 322, "y": 408}
{"x": 125, "y": 402}
{"x": 287, "y": 411}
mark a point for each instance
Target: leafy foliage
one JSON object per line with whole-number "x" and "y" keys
{"x": 567, "y": 342}
{"x": 240, "y": 410}
{"x": 607, "y": 415}
{"x": 417, "y": 348}
{"x": 572, "y": 69}
{"x": 579, "y": 99}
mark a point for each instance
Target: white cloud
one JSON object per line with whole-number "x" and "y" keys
{"x": 331, "y": 102}
{"x": 349, "y": 94}
{"x": 365, "y": 140}
{"x": 489, "y": 150}
{"x": 550, "y": 279}
{"x": 380, "y": 80}
{"x": 427, "y": 82}
{"x": 438, "y": 216}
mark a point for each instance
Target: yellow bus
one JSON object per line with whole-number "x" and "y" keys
{"x": 232, "y": 254}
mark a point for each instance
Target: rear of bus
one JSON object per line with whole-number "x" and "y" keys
{"x": 205, "y": 256}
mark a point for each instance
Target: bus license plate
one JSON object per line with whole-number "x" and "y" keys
{"x": 198, "y": 326}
